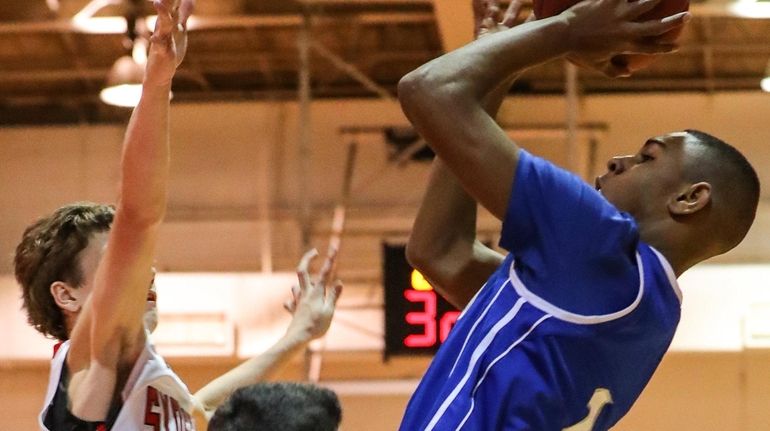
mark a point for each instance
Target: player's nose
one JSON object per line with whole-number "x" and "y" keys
{"x": 619, "y": 164}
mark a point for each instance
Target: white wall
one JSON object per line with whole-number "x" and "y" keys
{"x": 212, "y": 222}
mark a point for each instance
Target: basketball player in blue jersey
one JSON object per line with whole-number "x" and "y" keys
{"x": 564, "y": 331}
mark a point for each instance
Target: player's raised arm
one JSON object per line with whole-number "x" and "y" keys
{"x": 443, "y": 244}
{"x": 312, "y": 305}
{"x": 444, "y": 98}
{"x": 109, "y": 333}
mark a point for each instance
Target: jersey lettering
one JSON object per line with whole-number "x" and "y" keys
{"x": 162, "y": 409}
{"x": 152, "y": 410}
{"x": 600, "y": 398}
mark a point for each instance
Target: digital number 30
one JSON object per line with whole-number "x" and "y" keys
{"x": 427, "y": 318}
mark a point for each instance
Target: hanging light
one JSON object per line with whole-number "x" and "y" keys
{"x": 124, "y": 81}
{"x": 750, "y": 8}
{"x": 765, "y": 84}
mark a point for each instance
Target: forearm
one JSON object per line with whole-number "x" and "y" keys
{"x": 124, "y": 274}
{"x": 446, "y": 203}
{"x": 437, "y": 251}
{"x": 442, "y": 242}
{"x": 251, "y": 371}
{"x": 461, "y": 80}
{"x": 447, "y": 217}
{"x": 447, "y": 101}
{"x": 145, "y": 162}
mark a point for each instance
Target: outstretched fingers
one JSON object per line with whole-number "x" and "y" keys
{"x": 186, "y": 8}
{"x": 513, "y": 11}
{"x": 332, "y": 295}
{"x": 305, "y": 283}
{"x": 658, "y": 27}
{"x": 491, "y": 16}
{"x": 296, "y": 295}
{"x": 164, "y": 25}
{"x": 328, "y": 266}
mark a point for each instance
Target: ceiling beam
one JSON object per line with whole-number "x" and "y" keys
{"x": 117, "y": 25}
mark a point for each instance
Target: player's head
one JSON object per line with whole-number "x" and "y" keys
{"x": 686, "y": 182}
{"x": 278, "y": 406}
{"x": 53, "y": 261}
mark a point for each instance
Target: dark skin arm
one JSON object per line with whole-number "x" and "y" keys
{"x": 464, "y": 135}
{"x": 443, "y": 244}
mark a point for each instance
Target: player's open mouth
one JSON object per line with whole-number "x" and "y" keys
{"x": 598, "y": 184}
{"x": 152, "y": 296}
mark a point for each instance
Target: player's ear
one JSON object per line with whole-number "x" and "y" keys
{"x": 64, "y": 296}
{"x": 691, "y": 199}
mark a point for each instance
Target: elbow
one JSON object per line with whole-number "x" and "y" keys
{"x": 435, "y": 270}
{"x": 425, "y": 87}
{"x": 434, "y": 101}
{"x": 422, "y": 254}
{"x": 416, "y": 256}
{"x": 410, "y": 87}
{"x": 429, "y": 262}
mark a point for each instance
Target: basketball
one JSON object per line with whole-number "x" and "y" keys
{"x": 546, "y": 8}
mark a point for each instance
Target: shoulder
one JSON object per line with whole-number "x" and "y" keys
{"x": 553, "y": 209}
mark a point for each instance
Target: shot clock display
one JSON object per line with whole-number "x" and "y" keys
{"x": 417, "y": 319}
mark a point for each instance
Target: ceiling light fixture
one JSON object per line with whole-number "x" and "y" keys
{"x": 750, "y": 8}
{"x": 124, "y": 81}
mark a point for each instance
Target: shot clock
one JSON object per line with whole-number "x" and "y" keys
{"x": 417, "y": 318}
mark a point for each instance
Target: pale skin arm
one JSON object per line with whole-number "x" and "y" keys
{"x": 109, "y": 333}
{"x": 443, "y": 244}
{"x": 463, "y": 134}
{"x": 312, "y": 305}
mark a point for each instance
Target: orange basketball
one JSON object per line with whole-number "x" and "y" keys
{"x": 546, "y": 8}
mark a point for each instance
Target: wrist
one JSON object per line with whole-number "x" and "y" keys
{"x": 298, "y": 335}
{"x": 562, "y": 28}
{"x": 156, "y": 85}
{"x": 156, "y": 91}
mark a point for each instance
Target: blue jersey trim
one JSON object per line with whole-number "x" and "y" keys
{"x": 669, "y": 273}
{"x": 478, "y": 319}
{"x": 477, "y": 353}
{"x": 495, "y": 361}
{"x": 568, "y": 316}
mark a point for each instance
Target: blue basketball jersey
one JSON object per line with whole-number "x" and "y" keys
{"x": 568, "y": 330}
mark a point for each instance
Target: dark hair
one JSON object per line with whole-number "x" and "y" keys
{"x": 278, "y": 406}
{"x": 735, "y": 186}
{"x": 48, "y": 252}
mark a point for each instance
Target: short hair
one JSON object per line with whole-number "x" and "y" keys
{"x": 48, "y": 252}
{"x": 735, "y": 186}
{"x": 278, "y": 406}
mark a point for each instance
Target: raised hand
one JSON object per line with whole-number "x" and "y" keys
{"x": 601, "y": 29}
{"x": 487, "y": 20}
{"x": 186, "y": 8}
{"x": 168, "y": 43}
{"x": 313, "y": 303}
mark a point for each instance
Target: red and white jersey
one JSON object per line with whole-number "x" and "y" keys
{"x": 154, "y": 398}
